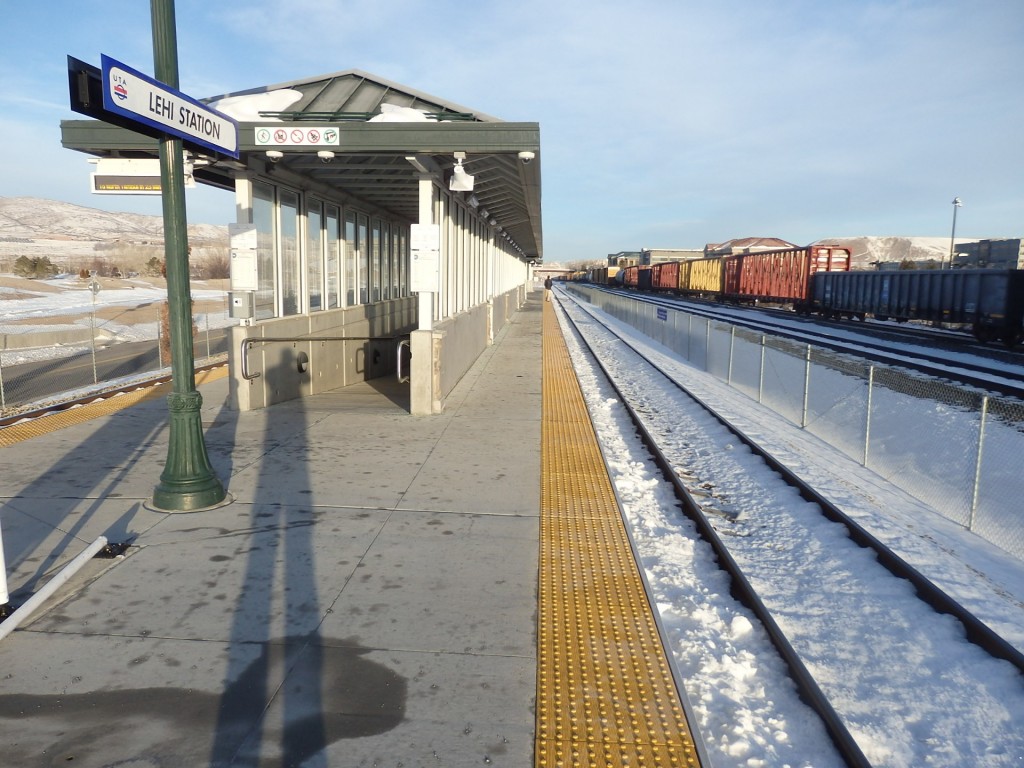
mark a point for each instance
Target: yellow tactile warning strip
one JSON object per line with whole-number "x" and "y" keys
{"x": 605, "y": 695}
{"x": 60, "y": 419}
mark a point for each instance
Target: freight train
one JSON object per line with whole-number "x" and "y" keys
{"x": 817, "y": 280}
{"x": 779, "y": 276}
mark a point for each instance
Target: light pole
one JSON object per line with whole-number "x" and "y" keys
{"x": 952, "y": 237}
{"x": 188, "y": 482}
{"x": 95, "y": 288}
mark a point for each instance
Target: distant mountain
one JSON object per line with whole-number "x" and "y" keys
{"x": 865, "y": 251}
{"x": 38, "y": 219}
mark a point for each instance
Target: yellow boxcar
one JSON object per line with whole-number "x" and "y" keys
{"x": 705, "y": 276}
{"x": 684, "y": 275}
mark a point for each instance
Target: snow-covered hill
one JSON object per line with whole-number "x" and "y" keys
{"x": 866, "y": 251}
{"x": 35, "y": 218}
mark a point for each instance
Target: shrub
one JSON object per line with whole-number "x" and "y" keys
{"x": 41, "y": 266}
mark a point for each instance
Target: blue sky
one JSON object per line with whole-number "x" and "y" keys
{"x": 664, "y": 123}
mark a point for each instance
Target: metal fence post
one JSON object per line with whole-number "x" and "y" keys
{"x": 732, "y": 347}
{"x": 707, "y": 345}
{"x": 3, "y": 395}
{"x": 867, "y": 415}
{"x": 977, "y": 463}
{"x": 94, "y": 287}
{"x": 760, "y": 375}
{"x": 807, "y": 387}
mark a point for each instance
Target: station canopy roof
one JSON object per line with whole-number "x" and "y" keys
{"x": 388, "y": 136}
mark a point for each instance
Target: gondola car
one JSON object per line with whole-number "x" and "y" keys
{"x": 990, "y": 301}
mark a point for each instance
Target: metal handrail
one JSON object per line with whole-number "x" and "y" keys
{"x": 404, "y": 343}
{"x": 248, "y": 342}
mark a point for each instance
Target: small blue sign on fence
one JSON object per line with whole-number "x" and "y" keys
{"x": 662, "y": 313}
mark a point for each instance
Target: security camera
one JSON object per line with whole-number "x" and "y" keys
{"x": 325, "y": 156}
{"x": 274, "y": 155}
{"x": 526, "y": 156}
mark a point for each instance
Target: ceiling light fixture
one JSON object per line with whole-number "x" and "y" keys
{"x": 460, "y": 180}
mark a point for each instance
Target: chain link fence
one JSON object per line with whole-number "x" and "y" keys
{"x": 50, "y": 359}
{"x": 957, "y": 449}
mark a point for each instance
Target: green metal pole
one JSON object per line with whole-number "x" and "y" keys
{"x": 187, "y": 483}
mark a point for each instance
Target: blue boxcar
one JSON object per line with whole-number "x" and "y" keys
{"x": 991, "y": 301}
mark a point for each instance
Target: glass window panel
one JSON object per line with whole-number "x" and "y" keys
{"x": 396, "y": 259}
{"x": 266, "y": 235}
{"x": 446, "y": 263}
{"x": 385, "y": 261}
{"x": 291, "y": 275}
{"x": 460, "y": 276}
{"x": 403, "y": 239}
{"x": 363, "y": 251}
{"x": 351, "y": 259}
{"x": 315, "y": 255}
{"x": 375, "y": 283}
{"x": 333, "y": 256}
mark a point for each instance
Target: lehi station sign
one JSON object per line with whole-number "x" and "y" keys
{"x": 118, "y": 94}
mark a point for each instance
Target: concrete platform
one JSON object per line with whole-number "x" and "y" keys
{"x": 368, "y": 599}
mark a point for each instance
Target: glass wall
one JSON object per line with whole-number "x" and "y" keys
{"x": 313, "y": 255}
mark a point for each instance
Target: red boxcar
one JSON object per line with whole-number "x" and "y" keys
{"x": 781, "y": 275}
{"x": 665, "y": 276}
{"x": 637, "y": 277}
{"x": 630, "y": 275}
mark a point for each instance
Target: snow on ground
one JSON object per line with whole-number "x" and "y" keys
{"x": 69, "y": 298}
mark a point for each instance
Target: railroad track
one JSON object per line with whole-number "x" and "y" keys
{"x": 740, "y": 538}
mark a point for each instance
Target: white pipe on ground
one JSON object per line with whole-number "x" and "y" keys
{"x": 5, "y": 596}
{"x": 11, "y": 622}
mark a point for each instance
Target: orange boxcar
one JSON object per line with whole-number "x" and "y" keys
{"x": 782, "y": 275}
